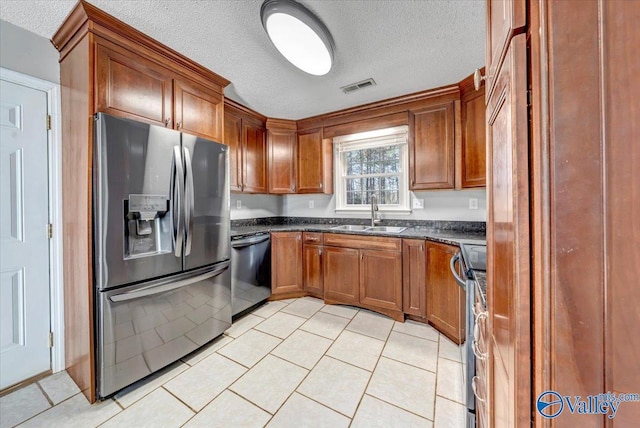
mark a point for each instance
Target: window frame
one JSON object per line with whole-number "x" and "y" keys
{"x": 340, "y": 177}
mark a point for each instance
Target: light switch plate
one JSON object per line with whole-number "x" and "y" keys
{"x": 238, "y": 204}
{"x": 312, "y": 203}
{"x": 418, "y": 204}
{"x": 473, "y": 203}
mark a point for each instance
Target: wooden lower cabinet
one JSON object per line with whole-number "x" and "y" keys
{"x": 342, "y": 275}
{"x": 312, "y": 271}
{"x": 445, "y": 298}
{"x": 381, "y": 279}
{"x": 414, "y": 271}
{"x": 286, "y": 269}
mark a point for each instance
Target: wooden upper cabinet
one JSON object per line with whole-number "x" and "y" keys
{"x": 286, "y": 262}
{"x": 381, "y": 279}
{"x": 445, "y": 298}
{"x": 504, "y": 19}
{"x": 233, "y": 139}
{"x": 254, "y": 166}
{"x": 414, "y": 270}
{"x": 315, "y": 163}
{"x": 244, "y": 133}
{"x": 281, "y": 146}
{"x": 473, "y": 151}
{"x": 431, "y": 147}
{"x": 198, "y": 110}
{"x": 127, "y": 85}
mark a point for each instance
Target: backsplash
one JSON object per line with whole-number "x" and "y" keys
{"x": 440, "y": 205}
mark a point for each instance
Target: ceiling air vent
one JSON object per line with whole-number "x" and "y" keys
{"x": 358, "y": 85}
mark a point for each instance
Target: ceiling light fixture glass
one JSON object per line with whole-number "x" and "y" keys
{"x": 298, "y": 35}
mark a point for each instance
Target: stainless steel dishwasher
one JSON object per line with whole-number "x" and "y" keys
{"x": 250, "y": 272}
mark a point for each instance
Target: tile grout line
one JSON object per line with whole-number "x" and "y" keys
{"x": 46, "y": 396}
{"x": 372, "y": 372}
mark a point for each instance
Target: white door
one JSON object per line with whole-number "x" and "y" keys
{"x": 24, "y": 246}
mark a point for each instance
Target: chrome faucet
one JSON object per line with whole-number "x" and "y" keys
{"x": 375, "y": 219}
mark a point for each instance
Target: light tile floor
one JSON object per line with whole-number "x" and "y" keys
{"x": 292, "y": 363}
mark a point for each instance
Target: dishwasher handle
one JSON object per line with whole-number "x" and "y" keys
{"x": 247, "y": 242}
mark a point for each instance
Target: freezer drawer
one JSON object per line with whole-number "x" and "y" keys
{"x": 145, "y": 327}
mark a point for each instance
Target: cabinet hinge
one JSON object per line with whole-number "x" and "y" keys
{"x": 50, "y": 339}
{"x": 48, "y": 122}
{"x": 50, "y": 230}
{"x": 528, "y": 97}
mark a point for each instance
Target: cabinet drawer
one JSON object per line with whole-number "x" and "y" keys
{"x": 312, "y": 237}
{"x": 368, "y": 242}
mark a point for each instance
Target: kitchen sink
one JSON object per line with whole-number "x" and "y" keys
{"x": 388, "y": 229}
{"x": 352, "y": 227}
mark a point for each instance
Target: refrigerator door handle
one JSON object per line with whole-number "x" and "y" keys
{"x": 177, "y": 183}
{"x": 163, "y": 288}
{"x": 189, "y": 199}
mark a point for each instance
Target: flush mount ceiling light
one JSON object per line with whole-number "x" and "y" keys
{"x": 298, "y": 35}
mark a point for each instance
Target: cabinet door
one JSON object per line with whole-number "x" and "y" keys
{"x": 341, "y": 275}
{"x": 508, "y": 274}
{"x": 282, "y": 161}
{"x": 315, "y": 166}
{"x": 198, "y": 110}
{"x": 414, "y": 270}
{"x": 474, "y": 148}
{"x": 233, "y": 139}
{"x": 254, "y": 166}
{"x": 431, "y": 147}
{"x": 286, "y": 262}
{"x": 381, "y": 279}
{"x": 504, "y": 18}
{"x": 130, "y": 86}
{"x": 445, "y": 298}
{"x": 312, "y": 269}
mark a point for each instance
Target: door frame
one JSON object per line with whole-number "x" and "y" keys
{"x": 54, "y": 162}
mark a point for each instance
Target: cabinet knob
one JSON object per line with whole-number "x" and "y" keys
{"x": 167, "y": 121}
{"x": 478, "y": 79}
{"x": 179, "y": 125}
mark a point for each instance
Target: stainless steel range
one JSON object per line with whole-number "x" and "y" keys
{"x": 472, "y": 259}
{"x": 161, "y": 247}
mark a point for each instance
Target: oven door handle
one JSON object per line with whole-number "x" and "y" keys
{"x": 452, "y": 264}
{"x": 157, "y": 289}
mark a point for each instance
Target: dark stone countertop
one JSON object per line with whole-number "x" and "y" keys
{"x": 452, "y": 237}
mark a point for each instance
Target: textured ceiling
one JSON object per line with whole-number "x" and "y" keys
{"x": 405, "y": 46}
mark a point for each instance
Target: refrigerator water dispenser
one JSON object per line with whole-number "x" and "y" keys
{"x": 147, "y": 228}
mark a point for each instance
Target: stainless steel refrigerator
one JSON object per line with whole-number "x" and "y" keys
{"x": 161, "y": 247}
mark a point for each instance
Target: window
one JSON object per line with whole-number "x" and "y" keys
{"x": 372, "y": 163}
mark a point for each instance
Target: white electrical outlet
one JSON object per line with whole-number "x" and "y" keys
{"x": 312, "y": 203}
{"x": 238, "y": 204}
{"x": 418, "y": 204}
{"x": 473, "y": 203}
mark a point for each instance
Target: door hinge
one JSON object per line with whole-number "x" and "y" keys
{"x": 50, "y": 230}
{"x": 48, "y": 122}
{"x": 50, "y": 339}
